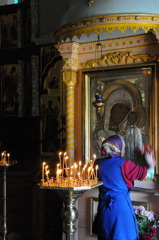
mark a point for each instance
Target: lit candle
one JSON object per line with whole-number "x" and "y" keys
{"x": 8, "y": 155}
{"x": 79, "y": 175}
{"x": 66, "y": 159}
{"x": 75, "y": 169}
{"x": 58, "y": 165}
{"x": 57, "y": 175}
{"x": 46, "y": 167}
{"x": 96, "y": 171}
{"x": 60, "y": 153}
{"x": 5, "y": 155}
{"x": 79, "y": 165}
{"x": 83, "y": 170}
{"x": 58, "y": 172}
{"x": 47, "y": 175}
{"x": 71, "y": 171}
{"x": 67, "y": 172}
{"x": 2, "y": 155}
{"x": 91, "y": 163}
{"x": 89, "y": 172}
{"x": 94, "y": 156}
{"x": 43, "y": 170}
{"x": 92, "y": 173}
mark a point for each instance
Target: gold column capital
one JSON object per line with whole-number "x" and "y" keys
{"x": 70, "y": 78}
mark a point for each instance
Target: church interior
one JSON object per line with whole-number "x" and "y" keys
{"x": 72, "y": 73}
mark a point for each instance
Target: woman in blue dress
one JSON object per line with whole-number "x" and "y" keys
{"x": 116, "y": 218}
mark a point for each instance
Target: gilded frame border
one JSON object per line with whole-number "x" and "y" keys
{"x": 153, "y": 111}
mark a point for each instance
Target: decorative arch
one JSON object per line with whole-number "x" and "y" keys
{"x": 51, "y": 68}
{"x": 52, "y": 108}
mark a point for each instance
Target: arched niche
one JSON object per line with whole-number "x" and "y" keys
{"x": 52, "y": 108}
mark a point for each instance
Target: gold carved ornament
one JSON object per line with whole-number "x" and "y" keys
{"x": 67, "y": 62}
{"x": 119, "y": 58}
{"x": 70, "y": 78}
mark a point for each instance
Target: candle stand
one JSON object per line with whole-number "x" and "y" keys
{"x": 70, "y": 192}
{"x": 3, "y": 171}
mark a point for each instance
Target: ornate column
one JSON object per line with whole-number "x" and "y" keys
{"x": 70, "y": 79}
{"x": 69, "y": 52}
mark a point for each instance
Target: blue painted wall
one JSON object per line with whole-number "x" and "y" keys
{"x": 56, "y": 13}
{"x": 79, "y": 8}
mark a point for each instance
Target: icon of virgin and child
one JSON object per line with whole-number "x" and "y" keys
{"x": 125, "y": 122}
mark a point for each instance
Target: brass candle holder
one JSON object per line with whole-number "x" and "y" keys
{"x": 70, "y": 192}
{"x": 5, "y": 163}
{"x": 70, "y": 183}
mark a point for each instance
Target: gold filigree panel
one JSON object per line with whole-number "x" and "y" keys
{"x": 118, "y": 58}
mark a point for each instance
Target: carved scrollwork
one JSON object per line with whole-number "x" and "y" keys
{"x": 68, "y": 62}
{"x": 118, "y": 58}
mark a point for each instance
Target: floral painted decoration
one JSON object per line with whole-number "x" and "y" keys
{"x": 148, "y": 222}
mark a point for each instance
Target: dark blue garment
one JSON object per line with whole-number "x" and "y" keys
{"x": 116, "y": 217}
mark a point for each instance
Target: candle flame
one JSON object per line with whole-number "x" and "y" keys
{"x": 46, "y": 167}
{"x": 47, "y": 172}
{"x": 78, "y": 171}
{"x": 84, "y": 167}
{"x": 59, "y": 171}
{"x": 75, "y": 165}
{"x": 89, "y": 169}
